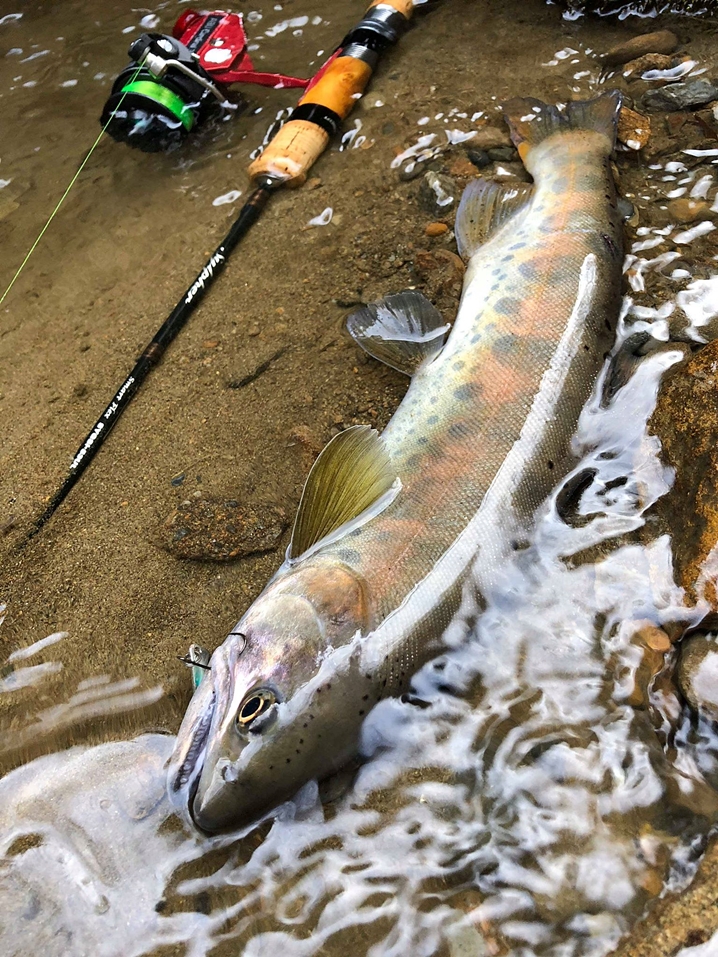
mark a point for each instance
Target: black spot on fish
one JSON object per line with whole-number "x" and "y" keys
{"x": 507, "y": 306}
{"x": 459, "y": 430}
{"x": 611, "y": 246}
{"x": 349, "y": 555}
{"x": 505, "y": 344}
{"x": 289, "y": 760}
{"x": 365, "y": 697}
{"x": 422, "y": 441}
{"x": 464, "y": 392}
{"x": 550, "y": 464}
{"x": 361, "y": 712}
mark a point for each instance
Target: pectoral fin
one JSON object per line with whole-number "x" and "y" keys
{"x": 351, "y": 473}
{"x": 402, "y": 331}
{"x": 484, "y": 208}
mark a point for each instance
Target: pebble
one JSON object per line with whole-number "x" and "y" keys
{"x": 503, "y": 154}
{"x": 436, "y": 229}
{"x": 686, "y": 210}
{"x": 660, "y": 41}
{"x": 698, "y": 673}
{"x": 216, "y": 530}
{"x": 480, "y": 158}
{"x": 441, "y": 273}
{"x": 634, "y": 129}
{"x": 490, "y": 137}
{"x": 681, "y": 96}
{"x": 462, "y": 166}
{"x": 437, "y": 193}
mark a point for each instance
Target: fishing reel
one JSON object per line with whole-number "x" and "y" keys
{"x": 173, "y": 83}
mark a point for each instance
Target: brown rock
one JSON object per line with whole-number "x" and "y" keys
{"x": 634, "y": 129}
{"x": 489, "y": 137}
{"x": 653, "y": 637}
{"x": 686, "y": 422}
{"x": 651, "y": 61}
{"x": 676, "y": 121}
{"x": 442, "y": 274}
{"x": 687, "y": 210}
{"x": 662, "y": 41}
{"x": 436, "y": 229}
{"x": 462, "y": 166}
{"x": 215, "y": 530}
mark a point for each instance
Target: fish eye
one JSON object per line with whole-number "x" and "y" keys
{"x": 257, "y": 703}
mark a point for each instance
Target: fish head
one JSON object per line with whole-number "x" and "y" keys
{"x": 258, "y": 728}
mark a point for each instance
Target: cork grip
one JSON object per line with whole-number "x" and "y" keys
{"x": 299, "y": 143}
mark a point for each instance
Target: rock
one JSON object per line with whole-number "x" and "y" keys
{"x": 661, "y": 41}
{"x": 698, "y": 673}
{"x": 463, "y": 168}
{"x": 681, "y": 96}
{"x": 686, "y": 422}
{"x": 651, "y": 61}
{"x": 686, "y": 210}
{"x": 634, "y": 129}
{"x": 437, "y": 193}
{"x": 480, "y": 158}
{"x": 503, "y": 154}
{"x": 216, "y": 530}
{"x": 653, "y": 643}
{"x": 489, "y": 137}
{"x": 442, "y": 274}
{"x": 436, "y": 229}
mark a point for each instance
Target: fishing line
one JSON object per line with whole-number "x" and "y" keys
{"x": 64, "y": 195}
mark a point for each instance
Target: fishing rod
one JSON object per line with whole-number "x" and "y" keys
{"x": 289, "y": 155}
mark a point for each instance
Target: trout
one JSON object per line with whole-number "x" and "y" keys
{"x": 390, "y": 527}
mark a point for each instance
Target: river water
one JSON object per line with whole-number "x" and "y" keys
{"x": 539, "y": 794}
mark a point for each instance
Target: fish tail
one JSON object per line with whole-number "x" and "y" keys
{"x": 531, "y": 121}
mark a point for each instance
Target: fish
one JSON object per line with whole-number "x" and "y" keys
{"x": 390, "y": 527}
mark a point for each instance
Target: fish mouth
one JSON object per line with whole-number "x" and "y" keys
{"x": 188, "y": 756}
{"x": 204, "y": 714}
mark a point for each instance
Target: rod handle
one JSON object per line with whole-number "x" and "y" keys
{"x": 299, "y": 143}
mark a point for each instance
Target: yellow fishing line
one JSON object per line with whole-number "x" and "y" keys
{"x": 64, "y": 195}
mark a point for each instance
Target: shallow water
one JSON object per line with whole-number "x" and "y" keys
{"x": 532, "y": 801}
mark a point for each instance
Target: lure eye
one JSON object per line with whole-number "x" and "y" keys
{"x": 257, "y": 703}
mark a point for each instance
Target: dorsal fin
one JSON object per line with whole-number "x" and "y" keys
{"x": 484, "y": 208}
{"x": 403, "y": 330}
{"x": 351, "y": 473}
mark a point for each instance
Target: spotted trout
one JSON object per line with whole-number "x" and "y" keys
{"x": 389, "y": 527}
